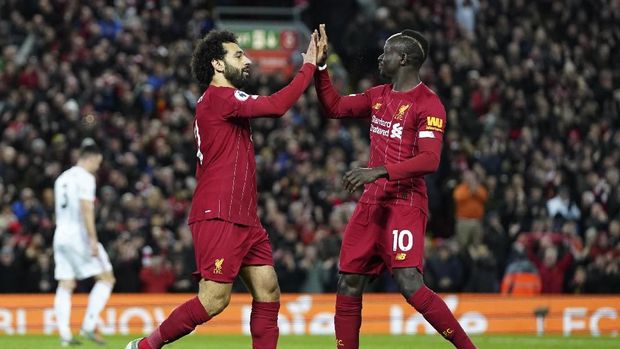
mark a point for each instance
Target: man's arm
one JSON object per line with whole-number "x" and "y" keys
{"x": 334, "y": 105}
{"x": 86, "y": 194}
{"x": 461, "y": 192}
{"x": 337, "y": 106}
{"x": 431, "y": 126}
{"x": 246, "y": 106}
{"x": 87, "y": 209}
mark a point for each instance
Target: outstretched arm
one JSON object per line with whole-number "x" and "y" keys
{"x": 335, "y": 105}
{"x": 246, "y": 106}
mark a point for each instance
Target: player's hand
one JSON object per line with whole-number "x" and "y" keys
{"x": 321, "y": 47}
{"x": 310, "y": 55}
{"x": 94, "y": 248}
{"x": 358, "y": 177}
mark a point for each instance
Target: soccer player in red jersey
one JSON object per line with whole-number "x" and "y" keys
{"x": 407, "y": 122}
{"x": 229, "y": 239}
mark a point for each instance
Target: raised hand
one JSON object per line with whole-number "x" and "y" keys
{"x": 322, "y": 46}
{"x": 310, "y": 55}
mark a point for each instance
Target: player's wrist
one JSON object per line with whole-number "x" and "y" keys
{"x": 380, "y": 172}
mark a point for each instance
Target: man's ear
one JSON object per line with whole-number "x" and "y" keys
{"x": 218, "y": 65}
{"x": 404, "y": 59}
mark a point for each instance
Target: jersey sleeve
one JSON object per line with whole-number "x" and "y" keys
{"x": 87, "y": 188}
{"x": 337, "y": 106}
{"x": 241, "y": 105}
{"x": 431, "y": 126}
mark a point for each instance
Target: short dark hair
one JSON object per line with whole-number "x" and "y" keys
{"x": 89, "y": 148}
{"x": 209, "y": 48}
{"x": 415, "y": 44}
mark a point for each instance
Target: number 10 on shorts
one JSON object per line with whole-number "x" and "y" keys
{"x": 402, "y": 240}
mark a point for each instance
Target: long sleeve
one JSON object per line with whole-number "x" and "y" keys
{"x": 431, "y": 126}
{"x": 337, "y": 106}
{"x": 242, "y": 105}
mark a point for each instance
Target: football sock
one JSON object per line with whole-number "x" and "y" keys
{"x": 436, "y": 312}
{"x": 97, "y": 299}
{"x": 348, "y": 320}
{"x": 62, "y": 307}
{"x": 264, "y": 324}
{"x": 182, "y": 321}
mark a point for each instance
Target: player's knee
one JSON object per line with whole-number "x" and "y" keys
{"x": 107, "y": 278}
{"x": 110, "y": 280}
{"x": 214, "y": 304}
{"x": 409, "y": 281}
{"x": 269, "y": 293}
{"x": 67, "y": 284}
{"x": 351, "y": 284}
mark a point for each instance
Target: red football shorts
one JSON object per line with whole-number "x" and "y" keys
{"x": 221, "y": 248}
{"x": 382, "y": 236}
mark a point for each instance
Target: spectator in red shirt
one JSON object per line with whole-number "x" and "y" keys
{"x": 157, "y": 277}
{"x": 551, "y": 270}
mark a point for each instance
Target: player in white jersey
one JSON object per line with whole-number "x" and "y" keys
{"x": 77, "y": 252}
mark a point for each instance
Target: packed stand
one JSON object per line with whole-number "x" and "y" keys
{"x": 529, "y": 168}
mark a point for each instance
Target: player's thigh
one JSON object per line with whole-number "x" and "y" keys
{"x": 259, "y": 248}
{"x": 94, "y": 265}
{"x": 219, "y": 249}
{"x": 262, "y": 282}
{"x": 214, "y": 296}
{"x": 63, "y": 266}
{"x": 358, "y": 253}
{"x": 403, "y": 238}
{"x": 257, "y": 270}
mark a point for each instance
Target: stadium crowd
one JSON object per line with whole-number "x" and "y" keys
{"x": 529, "y": 180}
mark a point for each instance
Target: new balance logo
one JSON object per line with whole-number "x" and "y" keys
{"x": 397, "y": 131}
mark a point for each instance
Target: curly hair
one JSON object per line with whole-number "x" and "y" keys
{"x": 209, "y": 48}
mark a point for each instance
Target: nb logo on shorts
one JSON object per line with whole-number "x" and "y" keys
{"x": 447, "y": 333}
{"x": 339, "y": 343}
{"x": 401, "y": 256}
{"x": 218, "y": 266}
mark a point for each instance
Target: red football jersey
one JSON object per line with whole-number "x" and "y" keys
{"x": 226, "y": 168}
{"x": 406, "y": 134}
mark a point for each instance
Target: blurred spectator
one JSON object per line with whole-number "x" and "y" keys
{"x": 9, "y": 271}
{"x": 157, "y": 277}
{"x": 445, "y": 269}
{"x": 552, "y": 269}
{"x": 469, "y": 197}
{"x": 562, "y": 205}
{"x": 521, "y": 279}
{"x": 466, "y": 15}
{"x": 482, "y": 269}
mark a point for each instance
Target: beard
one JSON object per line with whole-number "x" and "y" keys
{"x": 236, "y": 76}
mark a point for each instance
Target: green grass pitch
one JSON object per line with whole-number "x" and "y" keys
{"x": 327, "y": 342}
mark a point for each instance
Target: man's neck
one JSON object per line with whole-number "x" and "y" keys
{"x": 405, "y": 80}
{"x": 220, "y": 81}
{"x": 83, "y": 166}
